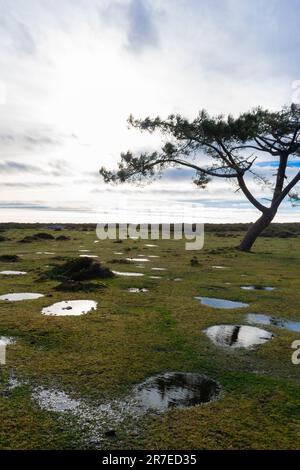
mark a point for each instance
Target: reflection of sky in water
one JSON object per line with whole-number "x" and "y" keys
{"x": 236, "y": 336}
{"x": 175, "y": 389}
{"x": 273, "y": 321}
{"x": 21, "y": 296}
{"x": 220, "y": 303}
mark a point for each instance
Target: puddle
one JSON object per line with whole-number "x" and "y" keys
{"x": 5, "y": 341}
{"x": 151, "y": 246}
{"x": 220, "y": 303}
{"x": 256, "y": 287}
{"x": 119, "y": 273}
{"x": 157, "y": 394}
{"x": 177, "y": 279}
{"x": 138, "y": 260}
{"x": 88, "y": 256}
{"x": 154, "y": 256}
{"x": 220, "y": 267}
{"x": 155, "y": 277}
{"x": 13, "y": 273}
{"x": 273, "y": 321}
{"x": 175, "y": 389}
{"x": 45, "y": 253}
{"x": 137, "y": 289}
{"x": 236, "y": 336}
{"x": 159, "y": 269}
{"x": 70, "y": 308}
{"x": 118, "y": 253}
{"x": 84, "y": 251}
{"x": 20, "y": 296}
{"x": 96, "y": 241}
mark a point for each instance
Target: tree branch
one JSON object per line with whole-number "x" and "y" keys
{"x": 285, "y": 192}
{"x": 249, "y": 195}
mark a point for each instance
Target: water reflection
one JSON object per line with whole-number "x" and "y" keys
{"x": 237, "y": 336}
{"x": 221, "y": 303}
{"x": 273, "y": 321}
{"x": 175, "y": 389}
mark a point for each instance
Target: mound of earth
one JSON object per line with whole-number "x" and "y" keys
{"x": 62, "y": 238}
{"x": 80, "y": 269}
{"x": 9, "y": 258}
{"x": 37, "y": 236}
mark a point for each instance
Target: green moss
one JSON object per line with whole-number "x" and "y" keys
{"x": 132, "y": 336}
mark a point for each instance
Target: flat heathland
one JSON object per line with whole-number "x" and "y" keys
{"x": 85, "y": 365}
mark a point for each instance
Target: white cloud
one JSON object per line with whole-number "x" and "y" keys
{"x": 74, "y": 71}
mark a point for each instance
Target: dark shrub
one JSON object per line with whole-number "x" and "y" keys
{"x": 80, "y": 269}
{"x": 9, "y": 258}
{"x": 27, "y": 239}
{"x": 3, "y": 239}
{"x": 62, "y": 238}
{"x": 194, "y": 261}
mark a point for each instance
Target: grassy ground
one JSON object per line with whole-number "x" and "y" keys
{"x": 133, "y": 336}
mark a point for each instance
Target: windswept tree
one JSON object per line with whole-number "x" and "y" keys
{"x": 219, "y": 147}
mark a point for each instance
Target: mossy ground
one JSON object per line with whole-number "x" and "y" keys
{"x": 133, "y": 336}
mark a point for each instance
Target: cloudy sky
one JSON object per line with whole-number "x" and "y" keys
{"x": 71, "y": 72}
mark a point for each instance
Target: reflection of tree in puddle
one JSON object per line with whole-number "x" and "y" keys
{"x": 175, "y": 389}
{"x": 237, "y": 336}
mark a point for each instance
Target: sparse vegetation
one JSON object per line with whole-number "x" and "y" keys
{"x": 129, "y": 337}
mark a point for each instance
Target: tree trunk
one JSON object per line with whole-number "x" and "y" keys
{"x": 256, "y": 229}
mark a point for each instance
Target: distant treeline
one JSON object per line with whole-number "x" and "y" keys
{"x": 283, "y": 230}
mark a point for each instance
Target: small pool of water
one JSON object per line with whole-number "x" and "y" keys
{"x": 70, "y": 308}
{"x": 154, "y": 256}
{"x": 155, "y": 277}
{"x": 5, "y": 341}
{"x": 237, "y": 336}
{"x": 151, "y": 246}
{"x": 124, "y": 273}
{"x": 221, "y": 303}
{"x": 20, "y": 296}
{"x": 13, "y": 273}
{"x": 159, "y": 269}
{"x": 220, "y": 267}
{"x": 262, "y": 319}
{"x": 138, "y": 260}
{"x": 257, "y": 287}
{"x": 175, "y": 389}
{"x": 88, "y": 256}
{"x": 137, "y": 289}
